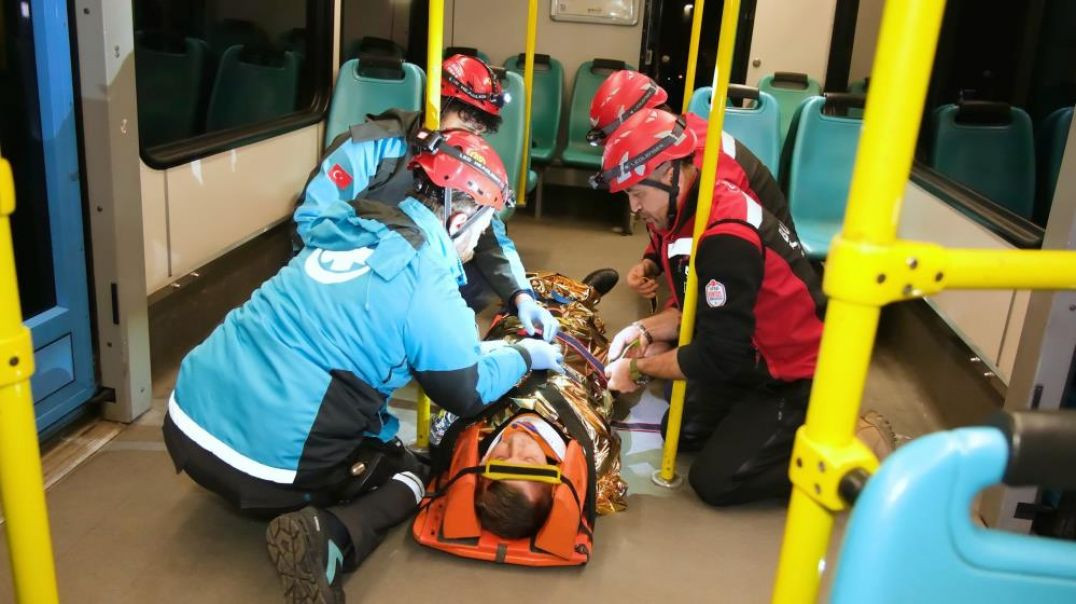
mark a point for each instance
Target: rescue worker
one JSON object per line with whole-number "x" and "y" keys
{"x": 758, "y": 321}
{"x": 626, "y": 92}
{"x": 283, "y": 409}
{"x": 369, "y": 163}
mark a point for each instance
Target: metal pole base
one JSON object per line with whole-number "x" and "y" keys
{"x": 416, "y": 448}
{"x": 675, "y": 483}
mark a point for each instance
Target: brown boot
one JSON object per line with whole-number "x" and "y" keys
{"x": 875, "y": 431}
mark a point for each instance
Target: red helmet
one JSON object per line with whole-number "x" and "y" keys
{"x": 642, "y": 143}
{"x": 460, "y": 160}
{"x": 470, "y": 80}
{"x": 620, "y": 96}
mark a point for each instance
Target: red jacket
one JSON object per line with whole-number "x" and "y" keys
{"x": 758, "y": 297}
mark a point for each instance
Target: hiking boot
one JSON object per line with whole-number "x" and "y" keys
{"x": 875, "y": 431}
{"x": 308, "y": 561}
{"x": 602, "y": 280}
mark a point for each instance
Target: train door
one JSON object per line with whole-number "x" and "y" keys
{"x": 38, "y": 137}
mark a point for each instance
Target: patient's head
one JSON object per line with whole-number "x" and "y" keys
{"x": 515, "y": 508}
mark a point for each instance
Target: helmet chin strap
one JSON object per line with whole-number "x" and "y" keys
{"x": 672, "y": 189}
{"x": 446, "y": 198}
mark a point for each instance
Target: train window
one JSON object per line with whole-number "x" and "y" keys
{"x": 1000, "y": 103}
{"x": 212, "y": 75}
{"x": 374, "y": 27}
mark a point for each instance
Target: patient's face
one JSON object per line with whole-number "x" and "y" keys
{"x": 519, "y": 447}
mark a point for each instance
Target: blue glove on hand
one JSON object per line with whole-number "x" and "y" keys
{"x": 543, "y": 355}
{"x": 530, "y": 312}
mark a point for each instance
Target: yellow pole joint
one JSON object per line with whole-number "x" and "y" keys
{"x": 422, "y": 421}
{"x": 818, "y": 467}
{"x": 874, "y": 275}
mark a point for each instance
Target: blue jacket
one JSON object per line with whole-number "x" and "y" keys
{"x": 369, "y": 163}
{"x": 285, "y": 387}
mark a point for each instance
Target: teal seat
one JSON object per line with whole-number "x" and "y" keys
{"x": 252, "y": 86}
{"x": 988, "y": 147}
{"x": 370, "y": 85}
{"x": 756, "y": 127}
{"x": 859, "y": 86}
{"x": 790, "y": 89}
{"x": 169, "y": 71}
{"x": 591, "y": 74}
{"x": 508, "y": 140}
{"x": 375, "y": 47}
{"x": 466, "y": 50}
{"x": 912, "y": 538}
{"x": 816, "y": 172}
{"x": 1052, "y": 135}
{"x": 227, "y": 33}
{"x": 546, "y": 102}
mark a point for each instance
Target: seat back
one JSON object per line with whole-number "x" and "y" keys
{"x": 758, "y": 127}
{"x": 170, "y": 71}
{"x": 466, "y": 50}
{"x": 790, "y": 89}
{"x": 1052, "y": 135}
{"x": 587, "y": 79}
{"x": 508, "y": 140}
{"x": 252, "y": 85}
{"x": 911, "y": 537}
{"x": 370, "y": 85}
{"x": 988, "y": 147}
{"x": 546, "y": 101}
{"x": 817, "y": 171}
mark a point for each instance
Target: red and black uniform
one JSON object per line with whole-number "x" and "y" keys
{"x": 745, "y": 170}
{"x": 757, "y": 331}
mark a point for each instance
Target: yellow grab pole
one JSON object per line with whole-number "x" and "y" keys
{"x": 528, "y": 96}
{"x": 434, "y": 44}
{"x": 22, "y": 492}
{"x": 899, "y": 81}
{"x": 726, "y": 42}
{"x": 693, "y": 54}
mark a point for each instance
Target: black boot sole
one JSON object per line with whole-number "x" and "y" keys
{"x": 302, "y": 573}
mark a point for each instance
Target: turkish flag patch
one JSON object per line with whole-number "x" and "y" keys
{"x": 339, "y": 176}
{"x": 715, "y": 293}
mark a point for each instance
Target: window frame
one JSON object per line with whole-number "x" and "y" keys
{"x": 319, "y": 24}
{"x": 1013, "y": 228}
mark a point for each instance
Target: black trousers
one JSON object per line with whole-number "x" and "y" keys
{"x": 742, "y": 434}
{"x": 368, "y": 505}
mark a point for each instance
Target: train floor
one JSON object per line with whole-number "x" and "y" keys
{"x": 127, "y": 529}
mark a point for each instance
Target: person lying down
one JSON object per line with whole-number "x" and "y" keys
{"x": 523, "y": 482}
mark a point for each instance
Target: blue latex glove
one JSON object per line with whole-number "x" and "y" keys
{"x": 530, "y": 313}
{"x": 543, "y": 355}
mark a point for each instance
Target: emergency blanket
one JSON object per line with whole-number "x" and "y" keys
{"x": 583, "y": 385}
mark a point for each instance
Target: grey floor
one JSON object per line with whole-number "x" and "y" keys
{"x": 126, "y": 528}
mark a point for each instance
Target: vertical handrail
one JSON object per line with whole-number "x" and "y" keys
{"x": 899, "y": 80}
{"x": 708, "y": 176}
{"x": 692, "y": 54}
{"x": 22, "y": 491}
{"x": 528, "y": 96}
{"x": 435, "y": 32}
{"x": 434, "y": 44}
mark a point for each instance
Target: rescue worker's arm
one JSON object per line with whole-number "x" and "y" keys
{"x": 730, "y": 269}
{"x": 498, "y": 261}
{"x": 442, "y": 349}
{"x": 342, "y": 176}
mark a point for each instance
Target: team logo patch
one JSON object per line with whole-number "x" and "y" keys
{"x": 339, "y": 175}
{"x": 715, "y": 293}
{"x": 329, "y": 267}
